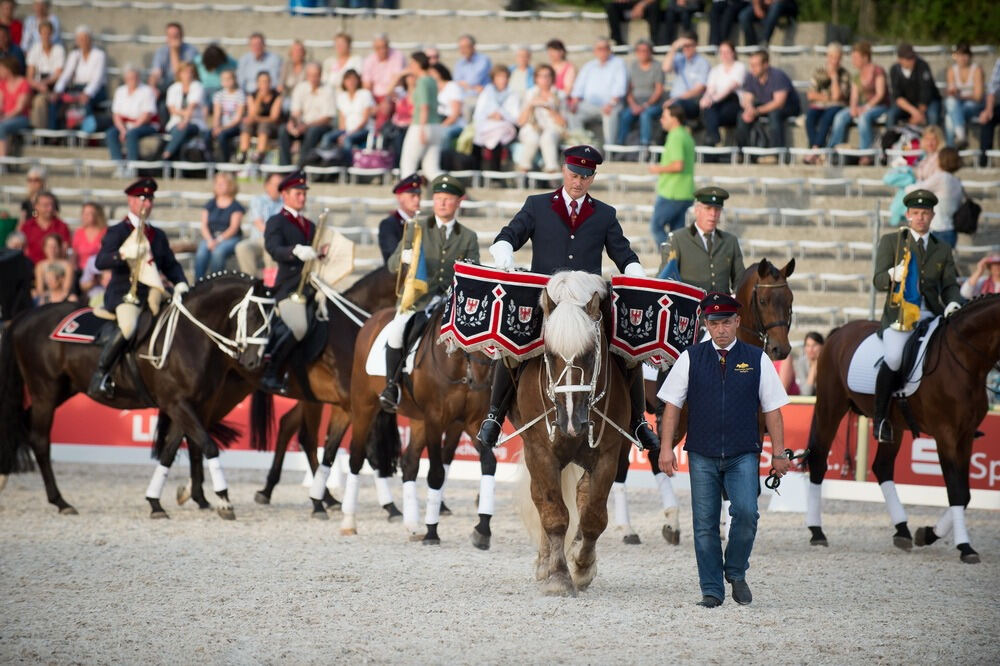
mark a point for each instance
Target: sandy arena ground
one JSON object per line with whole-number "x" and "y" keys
{"x": 113, "y": 586}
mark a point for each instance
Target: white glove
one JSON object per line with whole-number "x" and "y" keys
{"x": 130, "y": 253}
{"x": 406, "y": 257}
{"x": 180, "y": 289}
{"x": 304, "y": 253}
{"x": 503, "y": 255}
{"x": 951, "y": 308}
{"x": 896, "y": 272}
{"x": 635, "y": 270}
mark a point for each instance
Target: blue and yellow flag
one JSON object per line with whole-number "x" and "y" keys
{"x": 907, "y": 293}
{"x": 671, "y": 270}
{"x": 415, "y": 284}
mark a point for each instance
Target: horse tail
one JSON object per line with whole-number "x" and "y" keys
{"x": 568, "y": 480}
{"x": 261, "y": 420}
{"x": 224, "y": 434}
{"x": 15, "y": 456}
{"x": 384, "y": 446}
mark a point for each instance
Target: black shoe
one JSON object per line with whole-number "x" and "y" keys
{"x": 489, "y": 431}
{"x": 741, "y": 592}
{"x": 101, "y": 386}
{"x": 648, "y": 441}
{"x": 271, "y": 383}
{"x": 389, "y": 398}
{"x": 709, "y": 601}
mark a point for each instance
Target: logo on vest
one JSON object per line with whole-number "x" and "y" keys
{"x": 471, "y": 305}
{"x": 743, "y": 367}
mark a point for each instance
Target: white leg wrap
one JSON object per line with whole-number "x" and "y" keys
{"x": 218, "y": 478}
{"x": 727, "y": 520}
{"x": 433, "y": 515}
{"x": 958, "y": 524}
{"x": 340, "y": 469}
{"x": 382, "y": 490}
{"x": 155, "y": 488}
{"x": 411, "y": 508}
{"x": 621, "y": 505}
{"x": 667, "y": 497}
{"x": 814, "y": 505}
{"x": 944, "y": 524}
{"x": 350, "y": 505}
{"x": 487, "y": 494}
{"x": 318, "y": 488}
{"x": 896, "y": 512}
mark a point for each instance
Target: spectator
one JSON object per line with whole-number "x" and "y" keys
{"x": 450, "y": 96}
{"x": 990, "y": 116}
{"x": 564, "y": 69}
{"x": 93, "y": 283}
{"x": 421, "y": 146}
{"x": 433, "y": 56}
{"x": 720, "y": 104}
{"x": 8, "y": 49}
{"x": 985, "y": 279}
{"x": 543, "y": 122}
{"x": 16, "y": 277}
{"x": 645, "y": 95}
{"x": 767, "y": 92}
{"x": 381, "y": 68}
{"x": 623, "y": 11}
{"x": 495, "y": 119}
{"x": 54, "y": 273}
{"x": 806, "y": 363}
{"x": 947, "y": 188}
{"x": 472, "y": 71}
{"x": 355, "y": 106}
{"x": 721, "y": 19}
{"x": 915, "y": 97}
{"x": 829, "y": 92}
{"x": 675, "y": 184}
{"x": 228, "y": 111}
{"x": 15, "y": 100}
{"x": 293, "y": 72}
{"x": 931, "y": 142}
{"x": 262, "y": 119}
{"x": 83, "y": 79}
{"x": 394, "y": 131}
{"x": 9, "y": 21}
{"x": 29, "y": 32}
{"x": 250, "y": 250}
{"x": 34, "y": 186}
{"x": 210, "y": 66}
{"x": 42, "y": 223}
{"x": 133, "y": 116}
{"x": 341, "y": 61}
{"x": 965, "y": 95}
{"x": 690, "y": 70}
{"x": 676, "y": 12}
{"x": 869, "y": 99}
{"x": 88, "y": 236}
{"x": 767, "y": 13}
{"x": 522, "y": 74}
{"x": 167, "y": 60}
{"x": 257, "y": 59}
{"x": 186, "y": 105}
{"x": 313, "y": 108}
{"x": 45, "y": 64}
{"x": 599, "y": 90}
{"x": 220, "y": 227}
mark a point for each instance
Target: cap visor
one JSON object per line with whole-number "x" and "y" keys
{"x": 716, "y": 316}
{"x": 583, "y": 171}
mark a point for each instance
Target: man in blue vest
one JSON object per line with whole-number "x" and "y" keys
{"x": 725, "y": 383}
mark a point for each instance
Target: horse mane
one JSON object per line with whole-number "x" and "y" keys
{"x": 211, "y": 278}
{"x": 568, "y": 329}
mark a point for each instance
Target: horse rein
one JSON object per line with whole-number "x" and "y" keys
{"x": 773, "y": 480}
{"x": 762, "y": 329}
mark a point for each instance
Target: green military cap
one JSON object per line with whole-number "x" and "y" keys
{"x": 712, "y": 196}
{"x": 920, "y": 199}
{"x": 448, "y": 184}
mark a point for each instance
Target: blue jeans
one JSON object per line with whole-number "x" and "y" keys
{"x": 224, "y": 142}
{"x": 724, "y": 113}
{"x": 933, "y": 114}
{"x": 775, "y": 11}
{"x": 949, "y": 237}
{"x": 353, "y": 140}
{"x": 957, "y": 114}
{"x": 667, "y": 213}
{"x": 56, "y": 107}
{"x": 213, "y": 261}
{"x": 179, "y": 137}
{"x": 818, "y": 122}
{"x": 865, "y": 122}
{"x": 132, "y": 138}
{"x": 647, "y": 118}
{"x": 13, "y": 125}
{"x": 739, "y": 476}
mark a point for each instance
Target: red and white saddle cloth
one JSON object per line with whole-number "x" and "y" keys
{"x": 80, "y": 326}
{"x": 654, "y": 320}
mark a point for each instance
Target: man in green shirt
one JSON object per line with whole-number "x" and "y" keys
{"x": 675, "y": 187}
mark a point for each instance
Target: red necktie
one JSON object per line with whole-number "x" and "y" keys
{"x": 722, "y": 359}
{"x": 572, "y": 212}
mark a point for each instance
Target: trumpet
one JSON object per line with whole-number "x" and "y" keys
{"x": 409, "y": 238}
{"x": 909, "y": 313}
{"x": 133, "y": 290}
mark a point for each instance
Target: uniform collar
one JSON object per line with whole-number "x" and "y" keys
{"x": 567, "y": 198}
{"x": 294, "y": 213}
{"x": 132, "y": 218}
{"x": 448, "y": 227}
{"x": 916, "y": 237}
{"x": 403, "y": 217}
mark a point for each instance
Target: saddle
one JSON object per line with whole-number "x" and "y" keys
{"x": 867, "y": 360}
{"x": 414, "y": 332}
{"x": 83, "y": 326}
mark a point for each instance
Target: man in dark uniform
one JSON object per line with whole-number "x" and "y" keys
{"x": 390, "y": 230}
{"x": 116, "y": 258}
{"x": 571, "y": 230}
{"x": 288, "y": 238}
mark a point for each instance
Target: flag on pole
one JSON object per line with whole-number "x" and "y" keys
{"x": 415, "y": 284}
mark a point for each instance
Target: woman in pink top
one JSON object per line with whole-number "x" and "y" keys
{"x": 15, "y": 97}
{"x": 87, "y": 238}
{"x": 565, "y": 71}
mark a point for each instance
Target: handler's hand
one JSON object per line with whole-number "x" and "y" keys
{"x": 781, "y": 466}
{"x": 668, "y": 461}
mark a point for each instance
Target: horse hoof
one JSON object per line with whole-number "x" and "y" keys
{"x": 967, "y": 555}
{"x": 226, "y": 513}
{"x": 924, "y": 536}
{"x": 902, "y": 542}
{"x": 671, "y": 536}
{"x": 183, "y": 494}
{"x": 68, "y": 511}
{"x": 260, "y": 498}
{"x": 332, "y": 503}
{"x": 319, "y": 515}
{"x": 157, "y": 515}
{"x": 480, "y": 541}
{"x": 558, "y": 585}
{"x": 394, "y": 514}
{"x": 430, "y": 541}
{"x": 348, "y": 531}
{"x": 819, "y": 541}
{"x": 631, "y": 539}
{"x": 445, "y": 511}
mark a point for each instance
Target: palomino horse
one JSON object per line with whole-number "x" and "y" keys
{"x": 576, "y": 379}
{"x": 444, "y": 389}
{"x": 949, "y": 405}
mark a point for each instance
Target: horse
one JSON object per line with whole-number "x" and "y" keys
{"x": 949, "y": 404}
{"x": 444, "y": 389}
{"x": 574, "y": 378}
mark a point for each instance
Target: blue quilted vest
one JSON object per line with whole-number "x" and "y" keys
{"x": 722, "y": 410}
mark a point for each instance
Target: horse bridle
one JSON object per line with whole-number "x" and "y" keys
{"x": 758, "y": 315}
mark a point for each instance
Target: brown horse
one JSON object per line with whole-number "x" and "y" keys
{"x": 949, "y": 405}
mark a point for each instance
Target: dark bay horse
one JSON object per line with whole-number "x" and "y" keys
{"x": 949, "y": 405}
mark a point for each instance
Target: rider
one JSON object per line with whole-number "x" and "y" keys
{"x": 113, "y": 257}
{"x": 938, "y": 285}
{"x": 443, "y": 242}
{"x": 390, "y": 230}
{"x": 570, "y": 229}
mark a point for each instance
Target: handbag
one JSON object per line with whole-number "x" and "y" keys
{"x": 966, "y": 217}
{"x": 371, "y": 157}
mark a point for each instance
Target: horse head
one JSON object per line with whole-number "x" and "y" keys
{"x": 767, "y": 307}
{"x": 571, "y": 306}
{"x": 237, "y": 307}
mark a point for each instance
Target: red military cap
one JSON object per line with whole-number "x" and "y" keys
{"x": 411, "y": 183}
{"x": 296, "y": 180}
{"x": 583, "y": 159}
{"x": 144, "y": 187}
{"x": 717, "y": 305}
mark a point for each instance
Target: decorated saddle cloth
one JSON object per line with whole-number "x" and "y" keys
{"x": 654, "y": 319}
{"x": 81, "y": 326}
{"x": 867, "y": 360}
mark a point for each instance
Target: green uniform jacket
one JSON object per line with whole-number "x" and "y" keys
{"x": 938, "y": 282}
{"x": 440, "y": 255}
{"x": 720, "y": 272}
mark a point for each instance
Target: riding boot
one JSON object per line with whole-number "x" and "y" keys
{"x": 393, "y": 366}
{"x": 638, "y": 426}
{"x": 101, "y": 383}
{"x": 885, "y": 384}
{"x": 275, "y": 379}
{"x": 500, "y": 397}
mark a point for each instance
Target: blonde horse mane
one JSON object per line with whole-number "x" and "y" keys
{"x": 568, "y": 329}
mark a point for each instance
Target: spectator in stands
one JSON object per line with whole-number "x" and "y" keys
{"x": 767, "y": 92}
{"x": 29, "y": 33}
{"x": 931, "y": 142}
{"x": 868, "y": 101}
{"x": 133, "y": 116}
{"x": 250, "y": 250}
{"x": 42, "y": 223}
{"x": 166, "y": 61}
{"x": 946, "y": 187}
{"x": 15, "y": 101}
{"x": 34, "y": 185}
{"x": 829, "y": 92}
{"x": 228, "y": 110}
{"x": 494, "y": 119}
{"x": 966, "y": 93}
{"x": 293, "y": 72}
{"x": 675, "y": 182}
{"x": 342, "y": 60}
{"x": 690, "y": 70}
{"x": 313, "y": 108}
{"x": 9, "y": 21}
{"x": 433, "y": 55}
{"x": 88, "y": 236}
{"x": 599, "y": 90}
{"x": 644, "y": 99}
{"x": 54, "y": 274}
{"x": 83, "y": 79}
{"x": 985, "y": 279}
{"x": 210, "y": 66}
{"x": 257, "y": 59}
{"x": 522, "y": 74}
{"x": 394, "y": 131}
{"x": 564, "y": 69}
{"x": 220, "y": 227}
{"x": 676, "y": 12}
{"x": 721, "y": 19}
{"x": 720, "y": 104}
{"x": 472, "y": 71}
{"x": 806, "y": 363}
{"x": 355, "y": 108}
{"x": 8, "y": 49}
{"x": 990, "y": 117}
{"x": 45, "y": 64}
{"x": 623, "y": 11}
{"x": 542, "y": 122}
{"x": 262, "y": 120}
{"x": 767, "y": 13}
{"x": 421, "y": 146}
{"x": 186, "y": 105}
{"x": 449, "y": 100}
{"x": 16, "y": 277}
{"x": 382, "y": 67}
{"x": 915, "y": 97}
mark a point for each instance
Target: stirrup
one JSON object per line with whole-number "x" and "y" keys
{"x": 883, "y": 431}
{"x": 650, "y": 442}
{"x": 490, "y": 430}
{"x": 105, "y": 388}
{"x": 386, "y": 399}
